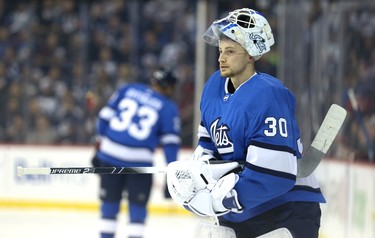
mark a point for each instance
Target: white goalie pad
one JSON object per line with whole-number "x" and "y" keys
{"x": 206, "y": 229}
{"x": 278, "y": 233}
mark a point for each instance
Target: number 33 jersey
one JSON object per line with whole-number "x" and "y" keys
{"x": 256, "y": 125}
{"x": 134, "y": 122}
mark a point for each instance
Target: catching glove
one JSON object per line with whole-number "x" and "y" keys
{"x": 217, "y": 199}
{"x": 192, "y": 185}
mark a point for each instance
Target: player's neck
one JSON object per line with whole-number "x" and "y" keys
{"x": 239, "y": 79}
{"x": 165, "y": 92}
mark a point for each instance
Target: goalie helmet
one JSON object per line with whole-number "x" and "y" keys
{"x": 245, "y": 26}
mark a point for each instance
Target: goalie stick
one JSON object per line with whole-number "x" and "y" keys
{"x": 91, "y": 170}
{"x": 306, "y": 165}
{"x": 322, "y": 142}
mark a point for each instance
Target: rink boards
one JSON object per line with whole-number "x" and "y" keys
{"x": 64, "y": 191}
{"x": 348, "y": 187}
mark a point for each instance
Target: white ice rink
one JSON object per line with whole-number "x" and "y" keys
{"x": 53, "y": 223}
{"x": 33, "y": 206}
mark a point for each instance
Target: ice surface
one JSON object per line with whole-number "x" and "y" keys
{"x": 33, "y": 223}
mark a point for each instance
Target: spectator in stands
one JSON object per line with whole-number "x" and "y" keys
{"x": 43, "y": 133}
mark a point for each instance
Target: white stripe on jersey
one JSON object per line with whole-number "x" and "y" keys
{"x": 202, "y": 132}
{"x": 125, "y": 153}
{"x": 308, "y": 181}
{"x": 272, "y": 159}
{"x": 170, "y": 139}
{"x": 107, "y": 113}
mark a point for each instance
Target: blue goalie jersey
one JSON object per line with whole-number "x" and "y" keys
{"x": 134, "y": 122}
{"x": 256, "y": 126}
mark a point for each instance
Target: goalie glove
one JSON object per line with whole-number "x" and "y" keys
{"x": 187, "y": 177}
{"x": 202, "y": 154}
{"x": 217, "y": 199}
{"x": 218, "y": 167}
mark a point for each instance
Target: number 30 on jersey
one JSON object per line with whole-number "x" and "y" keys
{"x": 276, "y": 126}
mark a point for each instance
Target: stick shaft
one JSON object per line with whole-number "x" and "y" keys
{"x": 91, "y": 170}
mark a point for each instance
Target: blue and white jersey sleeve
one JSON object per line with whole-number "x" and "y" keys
{"x": 204, "y": 138}
{"x": 271, "y": 153}
{"x": 109, "y": 111}
{"x": 170, "y": 132}
{"x": 170, "y": 124}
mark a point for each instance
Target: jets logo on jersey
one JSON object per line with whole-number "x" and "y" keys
{"x": 219, "y": 134}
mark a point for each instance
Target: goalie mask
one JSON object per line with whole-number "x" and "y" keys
{"x": 245, "y": 26}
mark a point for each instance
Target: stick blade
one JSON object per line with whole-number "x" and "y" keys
{"x": 323, "y": 140}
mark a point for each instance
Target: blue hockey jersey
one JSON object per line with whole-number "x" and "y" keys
{"x": 256, "y": 125}
{"x": 134, "y": 122}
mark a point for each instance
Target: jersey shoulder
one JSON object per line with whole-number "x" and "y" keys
{"x": 121, "y": 91}
{"x": 270, "y": 89}
{"x": 267, "y": 84}
{"x": 215, "y": 79}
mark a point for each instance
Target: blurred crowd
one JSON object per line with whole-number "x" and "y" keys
{"x": 61, "y": 60}
{"x": 348, "y": 62}
{"x": 358, "y": 135}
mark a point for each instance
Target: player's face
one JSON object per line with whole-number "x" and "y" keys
{"x": 233, "y": 58}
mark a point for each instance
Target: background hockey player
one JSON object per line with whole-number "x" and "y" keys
{"x": 249, "y": 117}
{"x": 136, "y": 119}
